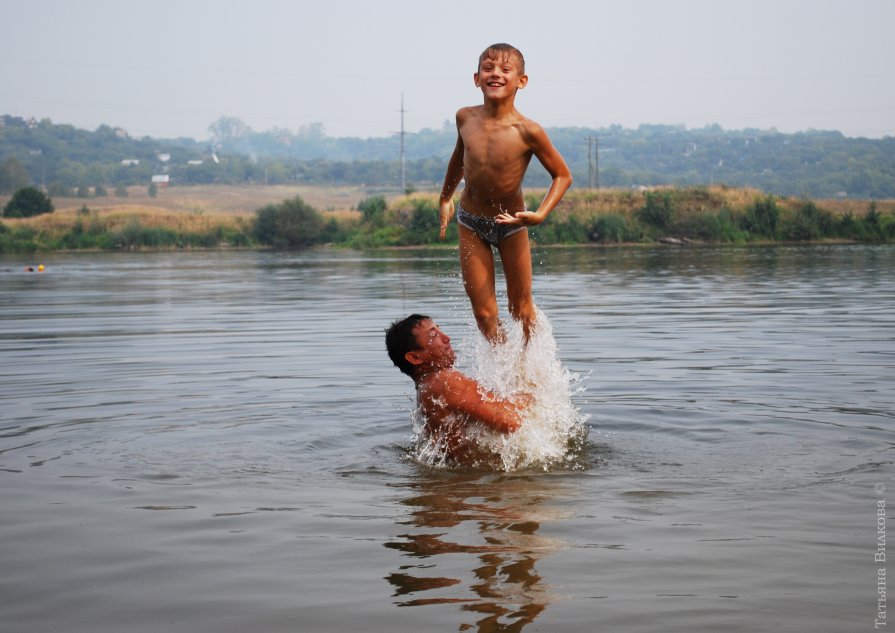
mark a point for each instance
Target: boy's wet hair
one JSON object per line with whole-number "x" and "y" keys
{"x": 502, "y": 51}
{"x": 399, "y": 339}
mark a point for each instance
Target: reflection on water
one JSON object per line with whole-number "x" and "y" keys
{"x": 475, "y": 540}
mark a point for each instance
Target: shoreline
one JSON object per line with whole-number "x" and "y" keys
{"x": 667, "y": 216}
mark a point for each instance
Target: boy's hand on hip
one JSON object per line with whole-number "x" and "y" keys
{"x": 445, "y": 213}
{"x": 522, "y": 218}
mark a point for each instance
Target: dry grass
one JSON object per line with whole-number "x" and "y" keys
{"x": 112, "y": 219}
{"x": 588, "y": 202}
{"x": 857, "y": 208}
{"x": 191, "y": 209}
{"x": 341, "y": 202}
{"x": 218, "y": 199}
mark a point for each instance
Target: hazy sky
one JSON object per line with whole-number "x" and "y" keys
{"x": 170, "y": 68}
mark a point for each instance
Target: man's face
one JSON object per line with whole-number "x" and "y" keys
{"x": 434, "y": 345}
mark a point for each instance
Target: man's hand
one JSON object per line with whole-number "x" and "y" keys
{"x": 445, "y": 213}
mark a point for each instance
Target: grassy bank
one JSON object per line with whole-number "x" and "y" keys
{"x": 217, "y": 217}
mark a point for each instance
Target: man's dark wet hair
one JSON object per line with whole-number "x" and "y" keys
{"x": 399, "y": 340}
{"x": 502, "y": 51}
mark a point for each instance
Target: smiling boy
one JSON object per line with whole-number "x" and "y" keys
{"x": 495, "y": 144}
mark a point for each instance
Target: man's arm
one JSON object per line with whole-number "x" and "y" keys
{"x": 553, "y": 162}
{"x": 462, "y": 394}
{"x": 452, "y": 179}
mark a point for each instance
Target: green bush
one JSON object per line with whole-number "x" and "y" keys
{"x": 609, "y": 229}
{"x": 389, "y": 235}
{"x": 808, "y": 223}
{"x": 658, "y": 210}
{"x": 333, "y": 232}
{"x": 292, "y": 223}
{"x": 711, "y": 227}
{"x": 762, "y": 217}
{"x": 568, "y": 230}
{"x": 424, "y": 223}
{"x": 28, "y": 202}
{"x": 872, "y": 224}
{"x": 373, "y": 210}
{"x": 849, "y": 228}
{"x": 21, "y": 239}
{"x": 887, "y": 227}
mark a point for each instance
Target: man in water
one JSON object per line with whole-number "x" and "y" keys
{"x": 454, "y": 406}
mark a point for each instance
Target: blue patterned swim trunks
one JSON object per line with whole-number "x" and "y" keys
{"x": 486, "y": 228}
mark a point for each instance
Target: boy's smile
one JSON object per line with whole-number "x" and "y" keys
{"x": 495, "y": 75}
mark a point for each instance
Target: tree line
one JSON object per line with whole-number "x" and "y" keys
{"x": 64, "y": 160}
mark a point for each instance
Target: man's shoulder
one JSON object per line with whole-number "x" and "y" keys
{"x": 441, "y": 381}
{"x": 448, "y": 386}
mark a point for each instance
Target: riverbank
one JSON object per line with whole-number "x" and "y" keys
{"x": 227, "y": 217}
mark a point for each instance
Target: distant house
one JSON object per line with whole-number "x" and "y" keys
{"x": 194, "y": 162}
{"x": 161, "y": 180}
{"x": 164, "y": 158}
{"x": 130, "y": 162}
{"x": 31, "y": 123}
{"x": 121, "y": 132}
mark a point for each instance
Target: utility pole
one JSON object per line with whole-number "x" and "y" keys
{"x": 593, "y": 162}
{"x": 403, "y": 178}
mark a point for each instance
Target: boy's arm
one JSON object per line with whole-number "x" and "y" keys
{"x": 553, "y": 162}
{"x": 462, "y": 394}
{"x": 452, "y": 179}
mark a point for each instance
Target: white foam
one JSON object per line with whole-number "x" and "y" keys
{"x": 554, "y": 433}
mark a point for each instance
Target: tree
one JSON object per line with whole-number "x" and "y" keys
{"x": 228, "y": 128}
{"x": 292, "y": 223}
{"x": 13, "y": 175}
{"x": 28, "y": 202}
{"x": 153, "y": 190}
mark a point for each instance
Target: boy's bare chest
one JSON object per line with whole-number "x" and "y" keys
{"x": 486, "y": 144}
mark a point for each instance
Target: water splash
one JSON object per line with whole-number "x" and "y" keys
{"x": 553, "y": 435}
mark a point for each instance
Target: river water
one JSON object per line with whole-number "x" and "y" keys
{"x": 218, "y": 442}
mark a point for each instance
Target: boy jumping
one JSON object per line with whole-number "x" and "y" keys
{"x": 495, "y": 144}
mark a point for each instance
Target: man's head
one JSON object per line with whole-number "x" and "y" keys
{"x": 416, "y": 345}
{"x": 500, "y": 53}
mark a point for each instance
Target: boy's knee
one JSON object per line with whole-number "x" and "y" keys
{"x": 523, "y": 311}
{"x": 485, "y": 315}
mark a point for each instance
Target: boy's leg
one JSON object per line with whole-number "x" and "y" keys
{"x": 515, "y": 255}
{"x": 477, "y": 266}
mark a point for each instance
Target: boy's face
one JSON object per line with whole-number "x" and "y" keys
{"x": 500, "y": 76}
